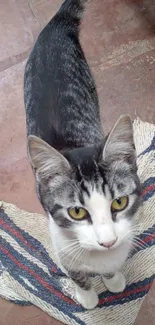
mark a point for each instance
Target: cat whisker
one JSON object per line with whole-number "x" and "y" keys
{"x": 68, "y": 241}
{"x": 127, "y": 236}
{"x": 141, "y": 241}
{"x": 136, "y": 248}
{"x": 135, "y": 230}
{"x": 89, "y": 246}
{"x": 83, "y": 252}
{"x": 139, "y": 244}
{"x": 75, "y": 257}
{"x": 136, "y": 245}
{"x": 149, "y": 233}
{"x": 80, "y": 255}
{"x": 135, "y": 226}
{"x": 70, "y": 252}
{"x": 66, "y": 248}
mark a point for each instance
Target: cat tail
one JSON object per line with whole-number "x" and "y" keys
{"x": 73, "y": 10}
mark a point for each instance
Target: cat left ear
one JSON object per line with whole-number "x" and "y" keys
{"x": 45, "y": 159}
{"x": 120, "y": 142}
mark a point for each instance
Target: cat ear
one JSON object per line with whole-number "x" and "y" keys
{"x": 120, "y": 142}
{"x": 45, "y": 159}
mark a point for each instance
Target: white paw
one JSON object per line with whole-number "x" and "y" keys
{"x": 115, "y": 284}
{"x": 87, "y": 298}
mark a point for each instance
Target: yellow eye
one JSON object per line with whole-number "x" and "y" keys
{"x": 78, "y": 213}
{"x": 119, "y": 204}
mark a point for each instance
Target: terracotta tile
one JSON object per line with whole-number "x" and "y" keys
{"x": 12, "y": 117}
{"x": 121, "y": 52}
{"x": 12, "y": 314}
{"x": 147, "y": 312}
{"x": 16, "y": 180}
{"x": 44, "y": 10}
{"x": 17, "y": 186}
{"x": 114, "y": 28}
{"x": 127, "y": 88}
{"x": 18, "y": 29}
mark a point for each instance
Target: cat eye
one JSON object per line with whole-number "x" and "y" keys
{"x": 78, "y": 213}
{"x": 119, "y": 204}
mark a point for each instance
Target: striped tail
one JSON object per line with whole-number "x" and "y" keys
{"x": 73, "y": 10}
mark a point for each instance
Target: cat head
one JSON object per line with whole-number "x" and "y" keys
{"x": 94, "y": 191}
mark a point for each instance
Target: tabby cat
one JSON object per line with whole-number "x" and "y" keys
{"x": 86, "y": 182}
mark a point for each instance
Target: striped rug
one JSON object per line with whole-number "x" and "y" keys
{"x": 29, "y": 273}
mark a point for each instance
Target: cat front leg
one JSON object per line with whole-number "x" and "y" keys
{"x": 85, "y": 293}
{"x": 114, "y": 282}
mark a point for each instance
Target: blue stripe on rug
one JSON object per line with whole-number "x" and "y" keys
{"x": 21, "y": 302}
{"x": 43, "y": 293}
{"x": 29, "y": 243}
{"x": 132, "y": 292}
{"x": 148, "y": 188}
{"x": 150, "y": 148}
{"x": 39, "y": 290}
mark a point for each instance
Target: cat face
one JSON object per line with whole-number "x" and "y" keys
{"x": 99, "y": 210}
{"x": 95, "y": 191}
{"x": 100, "y": 226}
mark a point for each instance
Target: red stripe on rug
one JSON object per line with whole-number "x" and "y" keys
{"x": 16, "y": 233}
{"x": 125, "y": 294}
{"x": 148, "y": 239}
{"x": 62, "y": 296}
{"x": 53, "y": 269}
{"x": 20, "y": 236}
{"x": 42, "y": 281}
{"x": 147, "y": 189}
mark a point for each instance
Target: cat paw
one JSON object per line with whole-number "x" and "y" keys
{"x": 116, "y": 284}
{"x": 87, "y": 298}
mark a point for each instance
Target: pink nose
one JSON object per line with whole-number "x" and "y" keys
{"x": 109, "y": 243}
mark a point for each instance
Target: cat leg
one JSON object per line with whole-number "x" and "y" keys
{"x": 85, "y": 293}
{"x": 115, "y": 282}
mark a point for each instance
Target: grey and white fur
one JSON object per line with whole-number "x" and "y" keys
{"x": 75, "y": 165}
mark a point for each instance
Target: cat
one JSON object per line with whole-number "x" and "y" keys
{"x": 86, "y": 182}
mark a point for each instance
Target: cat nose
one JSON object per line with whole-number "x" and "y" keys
{"x": 109, "y": 243}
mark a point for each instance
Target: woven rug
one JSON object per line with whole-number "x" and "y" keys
{"x": 28, "y": 270}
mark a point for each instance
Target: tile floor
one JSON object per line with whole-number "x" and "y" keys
{"x": 119, "y": 42}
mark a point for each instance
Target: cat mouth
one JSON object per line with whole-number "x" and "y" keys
{"x": 100, "y": 249}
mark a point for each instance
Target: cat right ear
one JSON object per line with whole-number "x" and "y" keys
{"x": 120, "y": 142}
{"x": 46, "y": 160}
